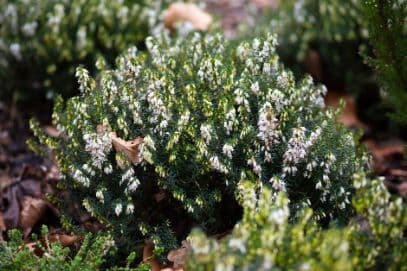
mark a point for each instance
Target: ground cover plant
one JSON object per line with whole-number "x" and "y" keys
{"x": 15, "y": 255}
{"x": 266, "y": 238}
{"x": 173, "y": 132}
{"x": 42, "y": 42}
{"x": 44, "y": 255}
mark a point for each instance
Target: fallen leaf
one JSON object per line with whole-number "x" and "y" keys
{"x": 385, "y": 150}
{"x": 64, "y": 239}
{"x": 32, "y": 211}
{"x": 2, "y": 226}
{"x": 398, "y": 172}
{"x": 398, "y": 188}
{"x": 148, "y": 256}
{"x": 179, "y": 256}
{"x": 129, "y": 148}
{"x": 10, "y": 197}
{"x": 186, "y": 12}
{"x": 38, "y": 247}
{"x": 51, "y": 131}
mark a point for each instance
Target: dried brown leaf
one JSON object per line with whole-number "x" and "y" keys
{"x": 179, "y": 256}
{"x": 38, "y": 247}
{"x": 51, "y": 131}
{"x": 398, "y": 172}
{"x": 386, "y": 150}
{"x": 2, "y": 226}
{"x": 186, "y": 12}
{"x": 64, "y": 239}
{"x": 130, "y": 149}
{"x": 399, "y": 188}
{"x": 32, "y": 211}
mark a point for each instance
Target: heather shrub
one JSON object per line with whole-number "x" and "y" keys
{"x": 15, "y": 255}
{"x": 43, "y": 41}
{"x": 336, "y": 29}
{"x": 163, "y": 140}
{"x": 266, "y": 238}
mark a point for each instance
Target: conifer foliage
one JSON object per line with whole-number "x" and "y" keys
{"x": 173, "y": 132}
{"x": 388, "y": 37}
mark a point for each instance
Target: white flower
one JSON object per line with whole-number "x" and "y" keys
{"x": 133, "y": 184}
{"x": 256, "y": 167}
{"x": 130, "y": 209}
{"x": 217, "y": 165}
{"x": 98, "y": 145}
{"x": 29, "y": 29}
{"x": 256, "y": 44}
{"x": 148, "y": 142}
{"x": 238, "y": 244}
{"x": 267, "y": 68}
{"x": 227, "y": 150}
{"x": 206, "y": 131}
{"x": 118, "y": 209}
{"x": 100, "y": 196}
{"x": 127, "y": 175}
{"x": 108, "y": 169}
{"x": 298, "y": 148}
{"x": 267, "y": 126}
{"x": 230, "y": 119}
{"x": 277, "y": 216}
{"x": 278, "y": 184}
{"x": 255, "y": 88}
{"x": 15, "y": 50}
{"x": 81, "y": 178}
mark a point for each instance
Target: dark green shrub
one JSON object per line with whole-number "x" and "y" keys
{"x": 388, "y": 36}
{"x": 190, "y": 120}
